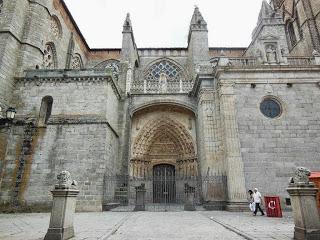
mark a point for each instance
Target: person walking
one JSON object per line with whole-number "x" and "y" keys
{"x": 257, "y": 200}
{"x": 251, "y": 201}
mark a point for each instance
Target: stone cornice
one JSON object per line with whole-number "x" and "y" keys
{"x": 86, "y": 76}
{"x": 265, "y": 69}
{"x": 68, "y": 120}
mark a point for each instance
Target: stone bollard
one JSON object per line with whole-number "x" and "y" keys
{"x": 304, "y": 207}
{"x": 140, "y": 198}
{"x": 189, "y": 193}
{"x": 63, "y": 208}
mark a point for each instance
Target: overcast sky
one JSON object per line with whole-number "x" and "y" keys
{"x": 164, "y": 23}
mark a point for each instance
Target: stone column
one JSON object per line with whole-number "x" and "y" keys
{"x": 235, "y": 172}
{"x": 63, "y": 208}
{"x": 304, "y": 205}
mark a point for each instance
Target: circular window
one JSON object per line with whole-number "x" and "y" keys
{"x": 270, "y": 107}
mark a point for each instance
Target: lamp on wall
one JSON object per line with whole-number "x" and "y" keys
{"x": 9, "y": 116}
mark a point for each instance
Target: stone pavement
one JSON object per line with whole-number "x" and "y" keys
{"x": 200, "y": 225}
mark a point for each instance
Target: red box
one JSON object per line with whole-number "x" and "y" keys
{"x": 315, "y": 177}
{"x": 273, "y": 206}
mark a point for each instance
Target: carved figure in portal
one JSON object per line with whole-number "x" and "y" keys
{"x": 271, "y": 54}
{"x": 163, "y": 83}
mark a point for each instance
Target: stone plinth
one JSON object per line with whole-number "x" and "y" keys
{"x": 190, "y": 195}
{"x": 140, "y": 198}
{"x": 63, "y": 208}
{"x": 305, "y": 212}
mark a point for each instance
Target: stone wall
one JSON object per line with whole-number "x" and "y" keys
{"x": 80, "y": 136}
{"x": 272, "y": 148}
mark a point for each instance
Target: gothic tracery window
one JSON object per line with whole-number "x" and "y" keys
{"x": 76, "y": 62}
{"x": 49, "y": 56}
{"x": 56, "y": 29}
{"x": 113, "y": 65}
{"x": 163, "y": 67}
{"x": 165, "y": 76}
{"x": 114, "y": 68}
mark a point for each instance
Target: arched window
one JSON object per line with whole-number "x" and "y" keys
{"x": 45, "y": 111}
{"x": 163, "y": 76}
{"x": 49, "y": 56}
{"x": 56, "y": 28}
{"x": 76, "y": 62}
{"x": 291, "y": 34}
{"x": 110, "y": 64}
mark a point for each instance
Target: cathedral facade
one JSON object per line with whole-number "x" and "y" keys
{"x": 216, "y": 121}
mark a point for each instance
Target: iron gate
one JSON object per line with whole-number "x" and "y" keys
{"x": 164, "y": 184}
{"x": 166, "y": 190}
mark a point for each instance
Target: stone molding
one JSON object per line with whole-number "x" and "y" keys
{"x": 57, "y": 77}
{"x": 135, "y": 108}
{"x": 68, "y": 119}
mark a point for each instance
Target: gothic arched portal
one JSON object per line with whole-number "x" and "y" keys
{"x": 163, "y": 141}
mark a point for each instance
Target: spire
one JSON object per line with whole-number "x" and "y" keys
{"x": 197, "y": 21}
{"x": 127, "y": 26}
{"x": 266, "y": 10}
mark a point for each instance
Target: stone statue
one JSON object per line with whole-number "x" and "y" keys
{"x": 315, "y": 53}
{"x": 64, "y": 181}
{"x": 301, "y": 176}
{"x": 163, "y": 83}
{"x": 271, "y": 54}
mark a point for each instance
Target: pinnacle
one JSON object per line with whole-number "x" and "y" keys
{"x": 266, "y": 10}
{"x": 127, "y": 22}
{"x": 197, "y": 18}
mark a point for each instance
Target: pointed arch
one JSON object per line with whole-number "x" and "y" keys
{"x": 76, "y": 62}
{"x": 50, "y": 56}
{"x": 170, "y": 128}
{"x": 163, "y": 75}
{"x": 166, "y": 62}
{"x": 113, "y": 64}
{"x": 56, "y": 28}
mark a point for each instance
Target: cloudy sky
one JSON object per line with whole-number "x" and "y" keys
{"x": 164, "y": 23}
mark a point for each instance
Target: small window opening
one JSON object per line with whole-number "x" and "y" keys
{"x": 45, "y": 111}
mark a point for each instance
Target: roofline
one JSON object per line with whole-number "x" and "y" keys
{"x": 168, "y": 48}
{"x": 119, "y": 49}
{"x": 75, "y": 25}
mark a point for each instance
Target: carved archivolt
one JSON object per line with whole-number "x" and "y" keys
{"x": 163, "y": 140}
